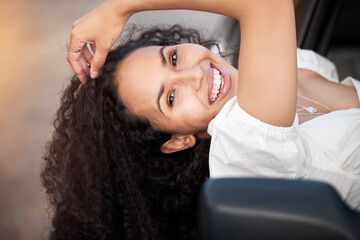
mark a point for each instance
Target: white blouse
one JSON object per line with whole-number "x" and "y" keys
{"x": 326, "y": 148}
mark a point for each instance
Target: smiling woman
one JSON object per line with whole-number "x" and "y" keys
{"x": 105, "y": 173}
{"x": 176, "y": 94}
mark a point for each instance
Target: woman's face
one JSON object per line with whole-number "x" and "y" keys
{"x": 180, "y": 88}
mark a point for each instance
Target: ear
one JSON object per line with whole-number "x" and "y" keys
{"x": 177, "y": 143}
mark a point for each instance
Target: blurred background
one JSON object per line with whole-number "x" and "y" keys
{"x": 33, "y": 71}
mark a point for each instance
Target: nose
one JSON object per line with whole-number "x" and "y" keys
{"x": 190, "y": 77}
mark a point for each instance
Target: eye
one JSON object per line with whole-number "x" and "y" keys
{"x": 171, "y": 98}
{"x": 173, "y": 58}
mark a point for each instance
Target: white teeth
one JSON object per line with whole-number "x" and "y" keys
{"x": 218, "y": 83}
{"x": 215, "y": 91}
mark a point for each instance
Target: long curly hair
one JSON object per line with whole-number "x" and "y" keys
{"x": 103, "y": 171}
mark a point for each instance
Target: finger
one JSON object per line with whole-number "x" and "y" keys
{"x": 74, "y": 59}
{"x": 77, "y": 66}
{"x": 75, "y": 43}
{"x": 82, "y": 77}
{"x": 85, "y": 66}
{"x": 87, "y": 54}
{"x": 98, "y": 61}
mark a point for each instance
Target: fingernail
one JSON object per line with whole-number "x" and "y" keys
{"x": 94, "y": 74}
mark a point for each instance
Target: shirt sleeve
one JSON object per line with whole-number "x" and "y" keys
{"x": 243, "y": 146}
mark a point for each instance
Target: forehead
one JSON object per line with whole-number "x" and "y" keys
{"x": 140, "y": 59}
{"x": 139, "y": 78}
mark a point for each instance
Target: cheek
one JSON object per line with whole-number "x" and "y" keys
{"x": 195, "y": 114}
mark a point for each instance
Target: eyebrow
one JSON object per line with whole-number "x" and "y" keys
{"x": 161, "y": 92}
{"x": 162, "y": 56}
{"x": 162, "y": 88}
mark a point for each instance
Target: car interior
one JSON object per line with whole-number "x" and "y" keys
{"x": 239, "y": 208}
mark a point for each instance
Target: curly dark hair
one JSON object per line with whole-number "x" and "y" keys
{"x": 104, "y": 173}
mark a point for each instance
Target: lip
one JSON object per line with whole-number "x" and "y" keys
{"x": 226, "y": 86}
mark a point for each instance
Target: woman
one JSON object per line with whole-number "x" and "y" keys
{"x": 174, "y": 97}
{"x": 104, "y": 172}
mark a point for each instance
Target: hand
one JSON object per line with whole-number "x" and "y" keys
{"x": 100, "y": 29}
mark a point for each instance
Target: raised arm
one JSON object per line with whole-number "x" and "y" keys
{"x": 267, "y": 82}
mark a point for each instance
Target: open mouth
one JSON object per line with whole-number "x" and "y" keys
{"x": 217, "y": 84}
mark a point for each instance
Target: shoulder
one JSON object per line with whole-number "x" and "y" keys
{"x": 244, "y": 146}
{"x": 234, "y": 119}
